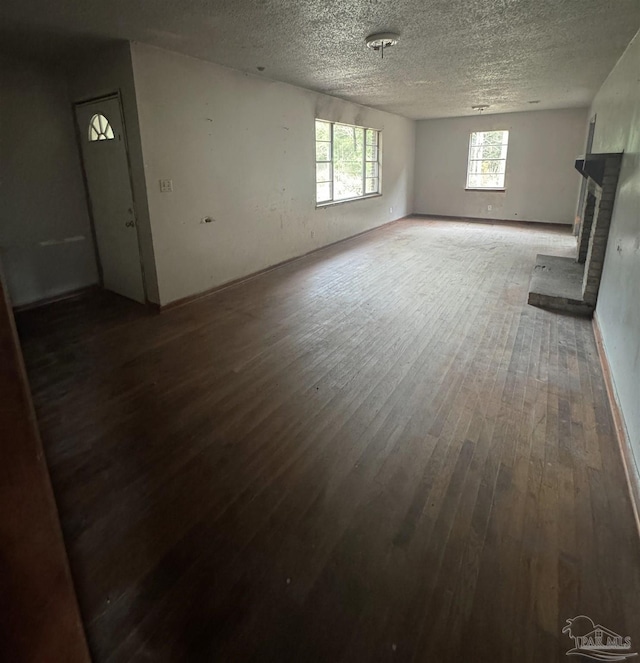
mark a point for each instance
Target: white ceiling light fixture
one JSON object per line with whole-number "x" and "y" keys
{"x": 381, "y": 40}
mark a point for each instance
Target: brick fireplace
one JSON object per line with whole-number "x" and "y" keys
{"x": 572, "y": 284}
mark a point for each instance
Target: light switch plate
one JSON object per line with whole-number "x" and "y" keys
{"x": 166, "y": 186}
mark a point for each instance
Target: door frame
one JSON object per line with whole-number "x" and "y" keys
{"x": 79, "y": 137}
{"x": 591, "y": 129}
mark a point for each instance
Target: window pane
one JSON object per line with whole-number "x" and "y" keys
{"x": 347, "y": 177}
{"x": 372, "y": 169}
{"x": 490, "y": 152}
{"x": 323, "y": 172}
{"x": 372, "y": 153}
{"x": 493, "y": 181}
{"x": 371, "y": 185}
{"x": 474, "y": 181}
{"x": 323, "y": 130}
{"x": 323, "y": 192}
{"x": 492, "y": 166}
{"x": 372, "y": 137}
{"x": 348, "y": 146}
{"x": 495, "y": 152}
{"x": 348, "y": 142}
{"x": 489, "y": 137}
{"x": 323, "y": 151}
{"x": 486, "y": 181}
{"x": 494, "y": 137}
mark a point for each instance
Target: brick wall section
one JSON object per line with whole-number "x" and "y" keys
{"x": 588, "y": 210}
{"x": 599, "y": 235}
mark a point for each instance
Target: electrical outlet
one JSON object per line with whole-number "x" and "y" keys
{"x": 391, "y": 210}
{"x": 489, "y": 207}
{"x": 166, "y": 186}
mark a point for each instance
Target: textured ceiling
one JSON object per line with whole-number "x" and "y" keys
{"x": 452, "y": 54}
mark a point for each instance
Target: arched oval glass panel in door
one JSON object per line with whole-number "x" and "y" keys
{"x": 100, "y": 128}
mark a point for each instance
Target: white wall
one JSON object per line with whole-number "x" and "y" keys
{"x": 101, "y": 73}
{"x": 46, "y": 246}
{"x": 240, "y": 149}
{"x": 617, "y": 106}
{"x": 541, "y": 183}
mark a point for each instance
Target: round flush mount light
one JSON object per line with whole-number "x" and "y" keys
{"x": 381, "y": 40}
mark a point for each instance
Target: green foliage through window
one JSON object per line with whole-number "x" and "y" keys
{"x": 487, "y": 159}
{"x": 347, "y": 162}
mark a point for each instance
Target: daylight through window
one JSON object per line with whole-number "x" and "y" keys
{"x": 347, "y": 162}
{"x": 100, "y": 129}
{"x": 487, "y": 159}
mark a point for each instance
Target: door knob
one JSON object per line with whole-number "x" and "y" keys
{"x": 130, "y": 224}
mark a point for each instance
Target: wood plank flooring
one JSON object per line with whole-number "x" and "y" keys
{"x": 379, "y": 452}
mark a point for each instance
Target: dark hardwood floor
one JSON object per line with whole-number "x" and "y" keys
{"x": 379, "y": 452}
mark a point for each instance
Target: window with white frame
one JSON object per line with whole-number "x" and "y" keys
{"x": 347, "y": 162}
{"x": 487, "y": 159}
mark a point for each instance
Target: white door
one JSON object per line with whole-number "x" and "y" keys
{"x": 104, "y": 154}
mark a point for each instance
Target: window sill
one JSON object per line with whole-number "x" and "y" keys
{"x": 486, "y": 189}
{"x": 347, "y": 200}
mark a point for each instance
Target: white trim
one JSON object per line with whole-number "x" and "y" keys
{"x": 331, "y": 162}
{"x": 504, "y": 144}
